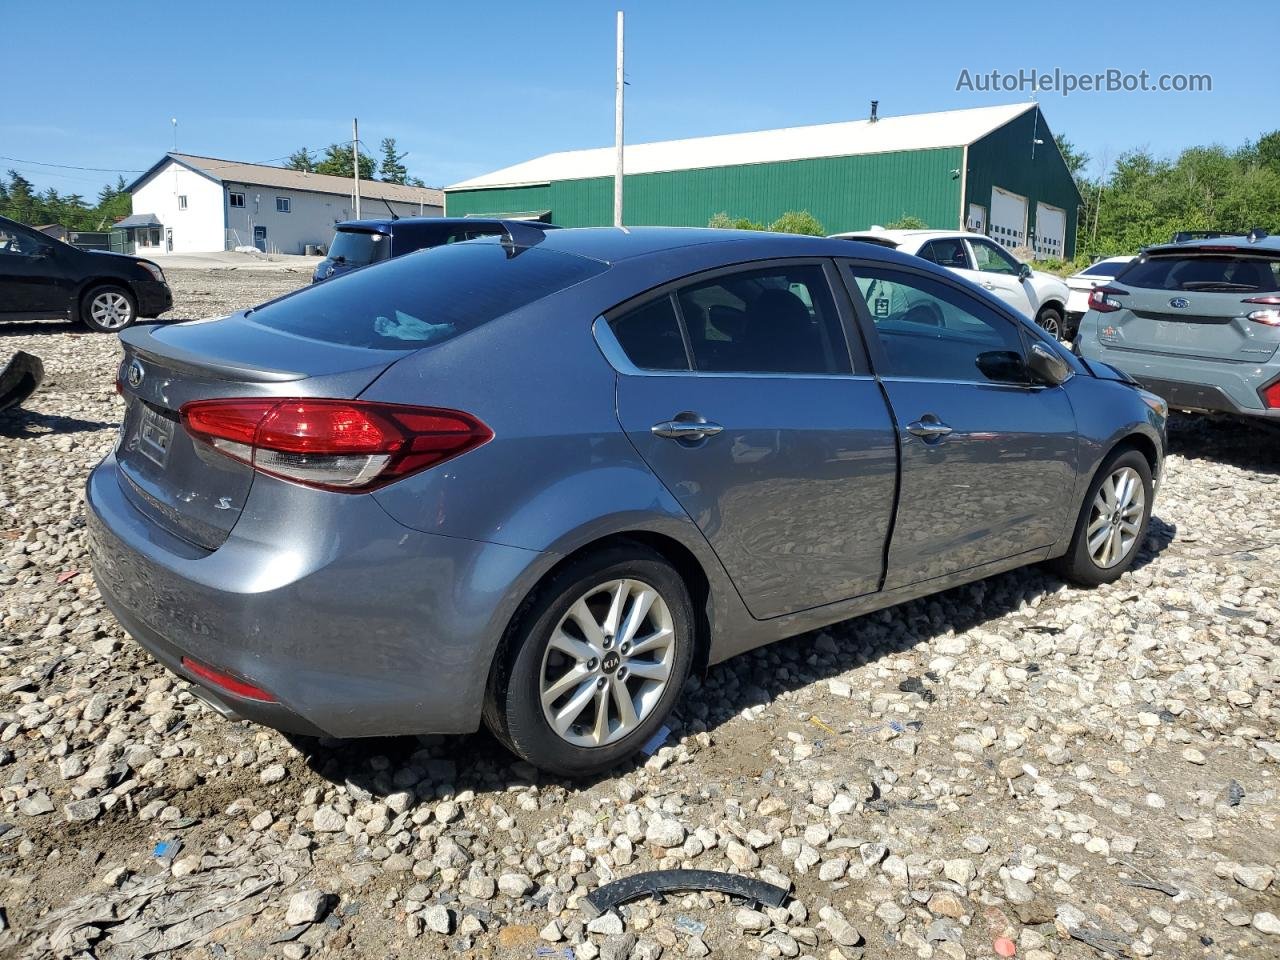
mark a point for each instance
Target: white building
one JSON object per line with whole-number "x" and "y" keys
{"x": 188, "y": 204}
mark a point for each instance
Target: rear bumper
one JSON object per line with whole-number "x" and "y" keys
{"x": 154, "y": 297}
{"x": 1189, "y": 383}
{"x": 356, "y": 625}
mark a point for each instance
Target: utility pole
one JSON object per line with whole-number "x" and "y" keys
{"x": 617, "y": 133}
{"x": 355, "y": 160}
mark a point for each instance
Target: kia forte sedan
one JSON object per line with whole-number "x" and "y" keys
{"x": 537, "y": 480}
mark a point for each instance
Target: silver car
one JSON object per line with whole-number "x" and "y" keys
{"x": 538, "y": 480}
{"x": 1196, "y": 322}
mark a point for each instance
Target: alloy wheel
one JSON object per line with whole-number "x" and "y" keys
{"x": 1115, "y": 520}
{"x": 1049, "y": 323}
{"x": 607, "y": 663}
{"x": 111, "y": 310}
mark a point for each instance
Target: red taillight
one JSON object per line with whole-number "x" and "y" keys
{"x": 1103, "y": 299}
{"x": 1270, "y": 317}
{"x": 344, "y": 445}
{"x": 224, "y": 681}
{"x": 1271, "y": 396}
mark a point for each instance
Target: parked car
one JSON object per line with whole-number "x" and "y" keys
{"x": 45, "y": 279}
{"x": 1197, "y": 322}
{"x": 540, "y": 482}
{"x": 358, "y": 243}
{"x": 1081, "y": 284}
{"x": 1040, "y": 296}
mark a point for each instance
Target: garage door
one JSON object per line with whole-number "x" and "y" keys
{"x": 1051, "y": 231}
{"x": 1008, "y": 218}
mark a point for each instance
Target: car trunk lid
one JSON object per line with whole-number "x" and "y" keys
{"x": 186, "y": 487}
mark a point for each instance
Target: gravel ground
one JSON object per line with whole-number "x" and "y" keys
{"x": 1013, "y": 765}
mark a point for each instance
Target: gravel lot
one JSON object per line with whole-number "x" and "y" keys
{"x": 1084, "y": 773}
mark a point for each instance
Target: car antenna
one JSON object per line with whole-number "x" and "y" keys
{"x": 391, "y": 209}
{"x": 518, "y": 236}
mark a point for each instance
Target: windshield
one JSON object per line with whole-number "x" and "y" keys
{"x": 1223, "y": 273}
{"x": 425, "y": 297}
{"x": 359, "y": 247}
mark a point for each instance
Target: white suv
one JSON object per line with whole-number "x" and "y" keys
{"x": 1040, "y": 296}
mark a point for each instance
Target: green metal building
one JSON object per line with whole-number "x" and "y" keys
{"x": 995, "y": 170}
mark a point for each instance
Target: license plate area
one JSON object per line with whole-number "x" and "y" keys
{"x": 155, "y": 435}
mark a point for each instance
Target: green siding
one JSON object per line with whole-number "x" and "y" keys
{"x": 509, "y": 200}
{"x": 844, "y": 193}
{"x": 1003, "y": 159}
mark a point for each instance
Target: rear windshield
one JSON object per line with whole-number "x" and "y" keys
{"x": 1211, "y": 273}
{"x": 425, "y": 297}
{"x": 1104, "y": 269}
{"x": 359, "y": 247}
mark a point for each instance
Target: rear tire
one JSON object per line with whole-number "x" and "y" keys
{"x": 1112, "y": 523}
{"x": 611, "y": 629}
{"x": 1050, "y": 320}
{"x": 108, "y": 309}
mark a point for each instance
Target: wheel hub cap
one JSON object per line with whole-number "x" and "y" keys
{"x": 607, "y": 663}
{"x": 1115, "y": 519}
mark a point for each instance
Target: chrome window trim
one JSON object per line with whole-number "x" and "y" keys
{"x": 611, "y": 349}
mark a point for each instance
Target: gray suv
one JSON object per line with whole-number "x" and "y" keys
{"x": 537, "y": 480}
{"x": 1196, "y": 322}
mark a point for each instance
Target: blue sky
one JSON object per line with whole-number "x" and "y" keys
{"x": 468, "y": 88}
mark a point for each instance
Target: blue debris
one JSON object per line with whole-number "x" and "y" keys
{"x": 690, "y": 926}
{"x": 166, "y": 850}
{"x": 656, "y": 741}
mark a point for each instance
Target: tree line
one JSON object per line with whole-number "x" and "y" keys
{"x": 336, "y": 160}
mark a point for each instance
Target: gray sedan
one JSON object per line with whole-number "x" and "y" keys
{"x": 539, "y": 479}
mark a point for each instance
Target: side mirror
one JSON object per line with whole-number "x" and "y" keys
{"x": 1047, "y": 366}
{"x": 1003, "y": 366}
{"x": 1024, "y": 271}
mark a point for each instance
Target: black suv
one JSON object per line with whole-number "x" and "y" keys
{"x": 46, "y": 279}
{"x": 358, "y": 243}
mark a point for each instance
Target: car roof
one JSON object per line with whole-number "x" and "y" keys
{"x": 902, "y": 236}
{"x": 387, "y": 223}
{"x": 1236, "y": 244}
{"x": 614, "y": 244}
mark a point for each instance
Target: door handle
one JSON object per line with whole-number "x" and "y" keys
{"x": 989, "y": 285}
{"x": 928, "y": 428}
{"x": 685, "y": 429}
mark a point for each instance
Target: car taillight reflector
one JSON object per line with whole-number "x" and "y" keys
{"x": 344, "y": 445}
{"x": 1103, "y": 299}
{"x": 1271, "y": 396}
{"x": 1270, "y": 317}
{"x": 226, "y": 682}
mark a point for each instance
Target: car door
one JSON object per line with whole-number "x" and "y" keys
{"x": 988, "y": 457}
{"x": 32, "y": 283}
{"x": 740, "y": 391}
{"x": 995, "y": 270}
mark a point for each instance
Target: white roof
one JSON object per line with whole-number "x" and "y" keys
{"x": 920, "y": 131}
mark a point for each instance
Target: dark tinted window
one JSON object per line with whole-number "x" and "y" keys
{"x": 772, "y": 320}
{"x": 946, "y": 253}
{"x": 931, "y": 331}
{"x": 650, "y": 336}
{"x": 1104, "y": 269}
{"x": 359, "y": 247}
{"x": 1211, "y": 273}
{"x": 426, "y": 297}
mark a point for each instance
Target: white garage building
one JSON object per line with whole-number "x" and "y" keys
{"x": 189, "y": 204}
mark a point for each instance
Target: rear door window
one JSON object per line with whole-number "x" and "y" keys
{"x": 426, "y": 297}
{"x": 650, "y": 336}
{"x": 946, "y": 253}
{"x": 1210, "y": 273}
{"x": 772, "y": 320}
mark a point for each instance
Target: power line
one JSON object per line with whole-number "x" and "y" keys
{"x": 63, "y": 166}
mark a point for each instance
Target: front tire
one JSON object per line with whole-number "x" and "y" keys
{"x": 1050, "y": 320}
{"x": 1112, "y": 523}
{"x": 108, "y": 309}
{"x": 594, "y": 663}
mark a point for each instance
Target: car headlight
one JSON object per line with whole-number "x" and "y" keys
{"x": 152, "y": 269}
{"x": 1156, "y": 403}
